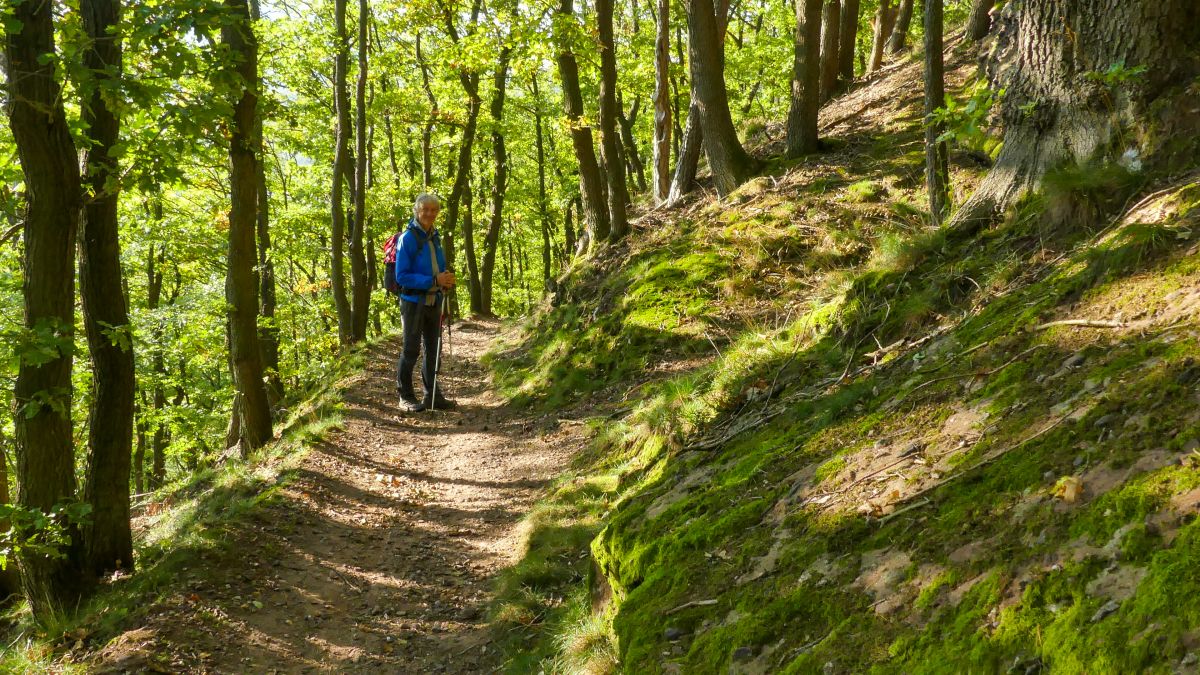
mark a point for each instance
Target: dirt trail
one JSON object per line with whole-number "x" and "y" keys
{"x": 381, "y": 555}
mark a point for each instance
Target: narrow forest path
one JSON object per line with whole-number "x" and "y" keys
{"x": 381, "y": 555}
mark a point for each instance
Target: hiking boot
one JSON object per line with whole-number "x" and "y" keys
{"x": 410, "y": 404}
{"x": 438, "y": 402}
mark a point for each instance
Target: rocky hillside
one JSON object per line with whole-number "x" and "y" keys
{"x": 829, "y": 439}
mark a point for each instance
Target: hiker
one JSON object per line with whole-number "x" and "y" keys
{"x": 422, "y": 276}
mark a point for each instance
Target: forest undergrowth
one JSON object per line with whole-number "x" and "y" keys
{"x": 826, "y": 438}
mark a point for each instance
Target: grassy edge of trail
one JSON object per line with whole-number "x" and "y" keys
{"x": 174, "y": 527}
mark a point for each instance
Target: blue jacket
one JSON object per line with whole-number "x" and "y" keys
{"x": 413, "y": 270}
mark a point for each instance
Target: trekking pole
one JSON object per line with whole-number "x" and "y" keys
{"x": 437, "y": 357}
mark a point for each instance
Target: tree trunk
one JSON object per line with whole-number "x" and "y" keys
{"x": 1057, "y": 114}
{"x": 341, "y": 171}
{"x": 806, "y": 78}
{"x": 107, "y": 537}
{"x": 591, "y": 183}
{"x": 848, "y": 41}
{"x": 633, "y": 159}
{"x": 568, "y": 227}
{"x": 499, "y": 183}
{"x": 268, "y": 330}
{"x": 469, "y": 253}
{"x": 44, "y": 444}
{"x": 543, "y": 199}
{"x": 688, "y": 162}
{"x": 883, "y": 30}
{"x": 10, "y": 582}
{"x": 830, "y": 55}
{"x": 241, "y": 282}
{"x": 427, "y": 131}
{"x": 610, "y": 140}
{"x": 979, "y": 23}
{"x": 662, "y": 104}
{"x": 898, "y": 41}
{"x": 937, "y": 177}
{"x": 359, "y": 282}
{"x": 730, "y": 164}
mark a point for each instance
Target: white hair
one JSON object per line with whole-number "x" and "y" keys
{"x": 426, "y": 198}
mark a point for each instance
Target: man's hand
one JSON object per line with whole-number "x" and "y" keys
{"x": 445, "y": 280}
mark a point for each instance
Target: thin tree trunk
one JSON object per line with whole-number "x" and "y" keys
{"x": 499, "y": 183}
{"x": 341, "y": 173}
{"x": 469, "y": 252}
{"x": 662, "y": 104}
{"x": 806, "y": 79}
{"x": 543, "y": 200}
{"x": 898, "y": 41}
{"x": 10, "y": 582}
{"x": 849, "y": 42}
{"x": 568, "y": 227}
{"x": 241, "y": 282}
{"x": 727, "y": 159}
{"x": 360, "y": 284}
{"x": 633, "y": 159}
{"x": 107, "y": 536}
{"x": 610, "y": 141}
{"x": 830, "y": 56}
{"x": 979, "y": 24}
{"x": 427, "y": 131}
{"x": 883, "y": 30}
{"x": 45, "y": 449}
{"x": 936, "y": 166}
{"x": 591, "y": 182}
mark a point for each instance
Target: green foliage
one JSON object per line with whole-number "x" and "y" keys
{"x": 966, "y": 122}
{"x": 33, "y": 533}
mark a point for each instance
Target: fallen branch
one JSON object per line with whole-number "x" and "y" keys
{"x": 1086, "y": 323}
{"x": 693, "y": 603}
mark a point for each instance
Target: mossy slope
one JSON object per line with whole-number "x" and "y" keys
{"x": 860, "y": 448}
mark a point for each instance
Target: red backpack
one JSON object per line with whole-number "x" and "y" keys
{"x": 389, "y": 264}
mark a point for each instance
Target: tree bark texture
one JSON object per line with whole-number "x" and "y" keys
{"x": 107, "y": 537}
{"x": 268, "y": 330}
{"x": 610, "y": 140}
{"x": 662, "y": 104}
{"x": 360, "y": 289}
{"x": 727, "y": 159}
{"x": 591, "y": 183}
{"x": 979, "y": 22}
{"x": 806, "y": 80}
{"x": 848, "y": 41}
{"x": 543, "y": 199}
{"x": 830, "y": 56}
{"x": 898, "y": 41}
{"x": 884, "y": 20}
{"x": 688, "y": 162}
{"x": 1058, "y": 112}
{"x": 499, "y": 183}
{"x": 472, "y": 258}
{"x": 42, "y": 420}
{"x": 937, "y": 177}
{"x": 341, "y": 174}
{"x": 241, "y": 282}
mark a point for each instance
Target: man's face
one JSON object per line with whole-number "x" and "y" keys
{"x": 426, "y": 214}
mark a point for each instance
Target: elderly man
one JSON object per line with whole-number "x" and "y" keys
{"x": 422, "y": 275}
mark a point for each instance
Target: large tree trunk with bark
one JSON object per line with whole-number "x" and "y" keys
{"x": 499, "y": 184}
{"x": 610, "y": 140}
{"x": 898, "y": 41}
{"x": 806, "y": 80}
{"x": 937, "y": 177}
{"x": 830, "y": 44}
{"x": 268, "y": 330}
{"x": 662, "y": 105}
{"x": 727, "y": 159}
{"x": 241, "y": 280}
{"x": 107, "y": 537}
{"x": 360, "y": 287}
{"x": 979, "y": 23}
{"x": 341, "y": 173}
{"x": 848, "y": 41}
{"x": 44, "y": 445}
{"x": 688, "y": 162}
{"x": 1058, "y": 113}
{"x": 591, "y": 183}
